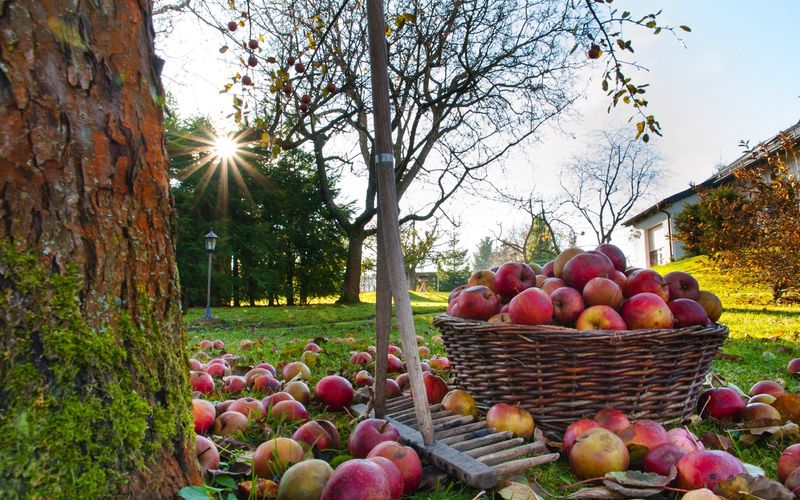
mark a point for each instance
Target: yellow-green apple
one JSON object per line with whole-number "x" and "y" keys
{"x": 233, "y": 384}
{"x": 685, "y": 440}
{"x": 562, "y": 259}
{"x": 600, "y": 318}
{"x": 536, "y": 267}
{"x": 299, "y": 391}
{"x": 268, "y": 402}
{"x": 406, "y": 460}
{"x": 767, "y": 387}
{"x": 574, "y": 430}
{"x": 641, "y": 437}
{"x": 304, "y": 480}
{"x": 682, "y": 285}
{"x": 686, "y": 312}
{"x": 360, "y": 358}
{"x": 611, "y": 419}
{"x": 364, "y": 378}
{"x": 290, "y": 411}
{"x": 392, "y": 389}
{"x": 663, "y": 458}
{"x": 264, "y": 384}
{"x": 788, "y": 462}
{"x": 550, "y": 285}
{"x": 435, "y": 387}
{"x": 602, "y": 292}
{"x": 512, "y": 278}
{"x": 645, "y": 280}
{"x": 440, "y": 363}
{"x": 367, "y": 434}
{"x": 760, "y": 415}
{"x": 203, "y": 414}
{"x": 531, "y": 307}
{"x": 707, "y": 468}
{"x": 500, "y": 318}
{"x": 296, "y": 369}
{"x": 249, "y": 407}
{"x": 506, "y": 417}
{"x": 711, "y": 304}
{"x": 583, "y": 267}
{"x": 721, "y": 403}
{"x": 547, "y": 269}
{"x": 461, "y": 402}
{"x": 392, "y": 474}
{"x": 334, "y": 391}
{"x": 567, "y": 305}
{"x": 762, "y": 398}
{"x": 646, "y": 310}
{"x": 614, "y": 254}
{"x": 312, "y": 346}
{"x": 485, "y": 278}
{"x": 309, "y": 358}
{"x": 478, "y": 302}
{"x": 394, "y": 364}
{"x": 206, "y": 453}
{"x": 597, "y": 452}
{"x": 273, "y": 457}
{"x": 794, "y": 366}
{"x": 229, "y": 423}
{"x": 318, "y": 434}
{"x": 358, "y": 479}
{"x": 201, "y": 382}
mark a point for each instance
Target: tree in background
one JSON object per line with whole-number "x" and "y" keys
{"x": 483, "y": 256}
{"x": 541, "y": 238}
{"x": 418, "y": 248}
{"x": 452, "y": 264}
{"x": 696, "y": 226}
{"x": 604, "y": 184}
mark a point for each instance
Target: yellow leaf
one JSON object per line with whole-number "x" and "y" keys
{"x": 312, "y": 44}
{"x": 639, "y": 129}
{"x": 260, "y": 37}
{"x": 264, "y": 138}
{"x": 388, "y": 30}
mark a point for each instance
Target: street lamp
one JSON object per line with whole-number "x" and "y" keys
{"x": 211, "y": 242}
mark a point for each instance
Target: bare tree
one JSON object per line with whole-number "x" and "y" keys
{"x": 605, "y": 183}
{"x": 541, "y": 237}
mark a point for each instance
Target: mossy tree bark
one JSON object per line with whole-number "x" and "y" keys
{"x": 93, "y": 373}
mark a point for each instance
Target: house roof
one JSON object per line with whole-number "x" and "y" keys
{"x": 723, "y": 175}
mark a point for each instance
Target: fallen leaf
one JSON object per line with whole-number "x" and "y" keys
{"x": 596, "y": 493}
{"x": 747, "y": 487}
{"x": 518, "y": 491}
{"x": 714, "y": 441}
{"x": 263, "y": 488}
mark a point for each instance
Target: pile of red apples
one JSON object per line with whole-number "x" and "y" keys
{"x": 591, "y": 290}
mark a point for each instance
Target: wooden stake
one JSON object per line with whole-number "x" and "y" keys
{"x": 387, "y": 205}
{"x": 383, "y": 326}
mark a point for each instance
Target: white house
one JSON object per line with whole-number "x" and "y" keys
{"x": 653, "y": 229}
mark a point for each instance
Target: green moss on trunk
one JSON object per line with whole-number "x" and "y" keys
{"x": 83, "y": 407}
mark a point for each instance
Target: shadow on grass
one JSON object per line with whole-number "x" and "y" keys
{"x": 763, "y": 311}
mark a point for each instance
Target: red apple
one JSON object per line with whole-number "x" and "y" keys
{"x": 645, "y": 311}
{"x": 334, "y": 391}
{"x": 711, "y": 304}
{"x": 233, "y": 384}
{"x": 269, "y": 367}
{"x": 614, "y": 254}
{"x": 313, "y": 347}
{"x": 760, "y": 415}
{"x": 394, "y": 364}
{"x": 263, "y": 384}
{"x": 392, "y": 389}
{"x": 229, "y": 423}
{"x": 201, "y": 382}
{"x": 478, "y": 302}
{"x": 367, "y": 434}
{"x": 395, "y": 351}
{"x": 485, "y": 278}
{"x": 550, "y": 285}
{"x": 273, "y": 457}
{"x": 794, "y": 366}
{"x": 602, "y": 292}
{"x": 392, "y": 474}
{"x": 451, "y": 298}
{"x": 222, "y": 406}
{"x": 360, "y": 358}
{"x": 406, "y": 460}
{"x": 217, "y": 370}
{"x": 547, "y": 269}
{"x": 206, "y": 453}
{"x": 512, "y": 278}
{"x": 767, "y": 387}
{"x": 299, "y": 391}
{"x": 685, "y": 440}
{"x": 195, "y": 365}
{"x": 611, "y": 419}
{"x": 250, "y": 375}
{"x": 319, "y": 434}
{"x": 686, "y": 312}
{"x": 402, "y": 381}
{"x": 506, "y": 417}
{"x": 218, "y": 344}
{"x": 645, "y": 280}
{"x": 641, "y": 437}
{"x": 358, "y": 480}
{"x": 206, "y": 344}
{"x": 682, "y": 285}
{"x": 531, "y": 307}
{"x": 788, "y": 462}
{"x": 203, "y": 414}
{"x": 597, "y": 452}
{"x": 289, "y": 411}
{"x": 600, "y": 318}
{"x": 296, "y": 369}
{"x": 567, "y": 305}
{"x": 707, "y": 468}
{"x": 662, "y": 458}
{"x": 268, "y": 402}
{"x": 574, "y": 430}
{"x": 618, "y": 278}
{"x": 249, "y": 407}
{"x": 583, "y": 267}
{"x": 440, "y": 363}
{"x": 364, "y": 378}
{"x": 721, "y": 403}
{"x": 435, "y": 387}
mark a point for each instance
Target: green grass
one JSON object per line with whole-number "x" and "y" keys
{"x": 762, "y": 342}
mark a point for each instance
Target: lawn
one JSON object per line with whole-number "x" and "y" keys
{"x": 763, "y": 338}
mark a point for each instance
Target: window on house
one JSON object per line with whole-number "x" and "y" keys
{"x": 657, "y": 245}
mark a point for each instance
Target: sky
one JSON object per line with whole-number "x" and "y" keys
{"x": 737, "y": 78}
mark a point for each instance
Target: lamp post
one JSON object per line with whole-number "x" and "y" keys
{"x": 211, "y": 242}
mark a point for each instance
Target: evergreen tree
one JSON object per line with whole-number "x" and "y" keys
{"x": 482, "y": 258}
{"x": 452, "y": 266}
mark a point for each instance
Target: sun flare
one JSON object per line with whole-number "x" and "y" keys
{"x": 225, "y": 147}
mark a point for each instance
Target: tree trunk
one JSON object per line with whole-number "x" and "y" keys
{"x": 352, "y": 273}
{"x": 93, "y": 371}
{"x": 236, "y": 299}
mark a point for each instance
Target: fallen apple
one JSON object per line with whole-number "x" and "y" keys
{"x": 275, "y": 456}
{"x": 304, "y": 480}
{"x": 506, "y": 417}
{"x": 597, "y": 452}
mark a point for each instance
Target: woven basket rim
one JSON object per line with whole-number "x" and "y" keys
{"x": 477, "y": 326}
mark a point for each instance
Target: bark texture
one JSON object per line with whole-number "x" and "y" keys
{"x": 94, "y": 373}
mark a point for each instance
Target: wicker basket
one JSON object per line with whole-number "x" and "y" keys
{"x": 561, "y": 375}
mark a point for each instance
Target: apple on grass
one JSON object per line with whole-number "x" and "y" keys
{"x": 440, "y": 363}
{"x": 206, "y": 453}
{"x": 306, "y": 479}
{"x": 299, "y": 391}
{"x": 313, "y": 347}
{"x": 358, "y": 479}
{"x": 233, "y": 384}
{"x": 505, "y": 417}
{"x": 203, "y": 414}
{"x": 767, "y": 387}
{"x": 392, "y": 474}
{"x": 318, "y": 434}
{"x": 707, "y": 468}
{"x": 367, "y": 434}
{"x": 574, "y": 430}
{"x": 597, "y": 452}
{"x": 263, "y": 384}
{"x": 364, "y": 378}
{"x": 268, "y": 402}
{"x": 296, "y": 369}
{"x": 663, "y": 458}
{"x": 289, "y": 411}
{"x": 721, "y": 403}
{"x": 788, "y": 462}
{"x": 247, "y": 406}
{"x": 394, "y": 364}
{"x": 334, "y": 391}
{"x": 405, "y": 459}
{"x": 273, "y": 457}
{"x": 229, "y": 423}
{"x": 641, "y": 437}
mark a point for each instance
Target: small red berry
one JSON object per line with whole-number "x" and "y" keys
{"x": 299, "y": 67}
{"x": 246, "y": 80}
{"x": 287, "y": 89}
{"x": 306, "y": 98}
{"x": 253, "y": 43}
{"x": 331, "y": 87}
{"x": 290, "y": 61}
{"x": 252, "y": 61}
{"x": 232, "y": 26}
{"x": 304, "y": 107}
